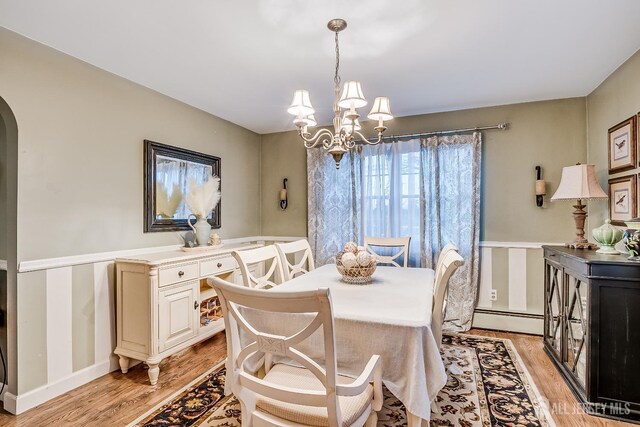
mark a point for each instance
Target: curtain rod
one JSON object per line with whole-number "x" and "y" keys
{"x": 501, "y": 126}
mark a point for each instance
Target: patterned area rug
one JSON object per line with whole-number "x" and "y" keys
{"x": 487, "y": 386}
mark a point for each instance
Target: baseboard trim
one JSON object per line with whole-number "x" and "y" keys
{"x": 17, "y": 404}
{"x": 527, "y": 323}
{"x": 67, "y": 261}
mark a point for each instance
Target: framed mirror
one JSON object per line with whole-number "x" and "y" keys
{"x": 168, "y": 171}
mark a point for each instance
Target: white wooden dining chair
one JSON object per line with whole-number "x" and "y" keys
{"x": 268, "y": 255}
{"x": 448, "y": 247}
{"x": 287, "y": 395}
{"x": 389, "y": 242}
{"x": 450, "y": 263}
{"x": 303, "y": 258}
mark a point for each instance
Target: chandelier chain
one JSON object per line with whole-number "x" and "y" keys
{"x": 336, "y": 78}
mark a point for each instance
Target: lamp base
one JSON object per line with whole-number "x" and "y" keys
{"x": 579, "y": 216}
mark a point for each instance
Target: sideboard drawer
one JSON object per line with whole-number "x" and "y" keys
{"x": 214, "y": 266}
{"x": 168, "y": 276}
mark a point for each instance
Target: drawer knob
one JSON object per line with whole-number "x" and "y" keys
{"x": 195, "y": 305}
{"x": 180, "y": 273}
{"x": 219, "y": 264}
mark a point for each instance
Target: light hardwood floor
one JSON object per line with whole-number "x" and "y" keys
{"x": 117, "y": 399}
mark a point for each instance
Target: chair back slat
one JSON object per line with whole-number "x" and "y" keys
{"x": 451, "y": 261}
{"x": 264, "y": 255}
{"x": 236, "y": 301}
{"x": 301, "y": 250}
{"x": 389, "y": 242}
{"x": 448, "y": 247}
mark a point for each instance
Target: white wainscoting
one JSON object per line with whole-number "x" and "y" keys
{"x": 59, "y": 277}
{"x": 518, "y": 314}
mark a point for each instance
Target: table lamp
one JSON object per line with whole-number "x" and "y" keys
{"x": 579, "y": 183}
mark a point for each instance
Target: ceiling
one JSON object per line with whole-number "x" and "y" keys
{"x": 242, "y": 60}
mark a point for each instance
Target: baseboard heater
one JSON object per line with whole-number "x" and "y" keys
{"x": 510, "y": 321}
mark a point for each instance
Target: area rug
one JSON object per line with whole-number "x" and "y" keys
{"x": 487, "y": 385}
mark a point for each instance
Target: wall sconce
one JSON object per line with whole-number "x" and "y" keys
{"x": 541, "y": 188}
{"x": 284, "y": 201}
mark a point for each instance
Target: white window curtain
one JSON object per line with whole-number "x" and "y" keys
{"x": 390, "y": 195}
{"x": 428, "y": 189}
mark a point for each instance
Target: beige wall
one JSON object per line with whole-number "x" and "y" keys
{"x": 80, "y": 175}
{"x": 615, "y": 100}
{"x": 551, "y": 134}
{"x": 80, "y": 163}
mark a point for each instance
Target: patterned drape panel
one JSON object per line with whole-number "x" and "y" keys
{"x": 451, "y": 173}
{"x": 362, "y": 196}
{"x": 334, "y": 203}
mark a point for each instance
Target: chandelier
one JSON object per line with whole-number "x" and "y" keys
{"x": 346, "y": 128}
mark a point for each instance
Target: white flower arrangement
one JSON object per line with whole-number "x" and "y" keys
{"x": 202, "y": 199}
{"x": 165, "y": 205}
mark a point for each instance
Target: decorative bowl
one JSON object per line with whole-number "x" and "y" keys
{"x": 359, "y": 275}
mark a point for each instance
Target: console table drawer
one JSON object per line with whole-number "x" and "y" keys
{"x": 214, "y": 266}
{"x": 168, "y": 276}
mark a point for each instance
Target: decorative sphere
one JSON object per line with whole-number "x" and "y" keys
{"x": 349, "y": 260}
{"x": 361, "y": 248}
{"x": 364, "y": 258}
{"x": 351, "y": 247}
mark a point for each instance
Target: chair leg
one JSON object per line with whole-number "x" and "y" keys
{"x": 372, "y": 421}
{"x": 247, "y": 413}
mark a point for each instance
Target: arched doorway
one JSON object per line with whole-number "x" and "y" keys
{"x": 8, "y": 241}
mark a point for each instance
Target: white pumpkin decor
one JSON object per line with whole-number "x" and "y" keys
{"x": 363, "y": 258}
{"x": 349, "y": 260}
{"x": 351, "y": 247}
{"x": 355, "y": 264}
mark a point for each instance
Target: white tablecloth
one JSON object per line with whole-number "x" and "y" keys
{"x": 390, "y": 317}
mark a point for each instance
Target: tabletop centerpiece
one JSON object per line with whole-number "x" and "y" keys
{"x": 355, "y": 264}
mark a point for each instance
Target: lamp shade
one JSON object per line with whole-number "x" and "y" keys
{"x": 381, "y": 109}
{"x": 347, "y": 124}
{"x": 579, "y": 182}
{"x": 310, "y": 120}
{"x": 352, "y": 96}
{"x": 301, "y": 104}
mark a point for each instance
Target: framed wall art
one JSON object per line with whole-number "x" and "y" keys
{"x": 168, "y": 172}
{"x": 623, "y": 145}
{"x": 622, "y": 199}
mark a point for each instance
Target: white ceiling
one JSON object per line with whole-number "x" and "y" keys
{"x": 242, "y": 60}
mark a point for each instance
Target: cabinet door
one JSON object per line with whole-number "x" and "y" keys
{"x": 576, "y": 328}
{"x": 553, "y": 307}
{"x": 178, "y": 315}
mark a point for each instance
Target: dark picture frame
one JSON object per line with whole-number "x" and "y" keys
{"x": 622, "y": 141}
{"x": 153, "y": 149}
{"x": 623, "y": 194}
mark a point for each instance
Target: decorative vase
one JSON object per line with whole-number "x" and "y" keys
{"x": 607, "y": 236}
{"x": 632, "y": 238}
{"x": 202, "y": 229}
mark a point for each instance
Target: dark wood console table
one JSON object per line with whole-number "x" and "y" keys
{"x": 592, "y": 328}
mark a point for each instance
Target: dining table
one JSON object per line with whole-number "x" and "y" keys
{"x": 390, "y": 317}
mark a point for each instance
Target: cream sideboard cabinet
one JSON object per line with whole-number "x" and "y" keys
{"x": 164, "y": 304}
